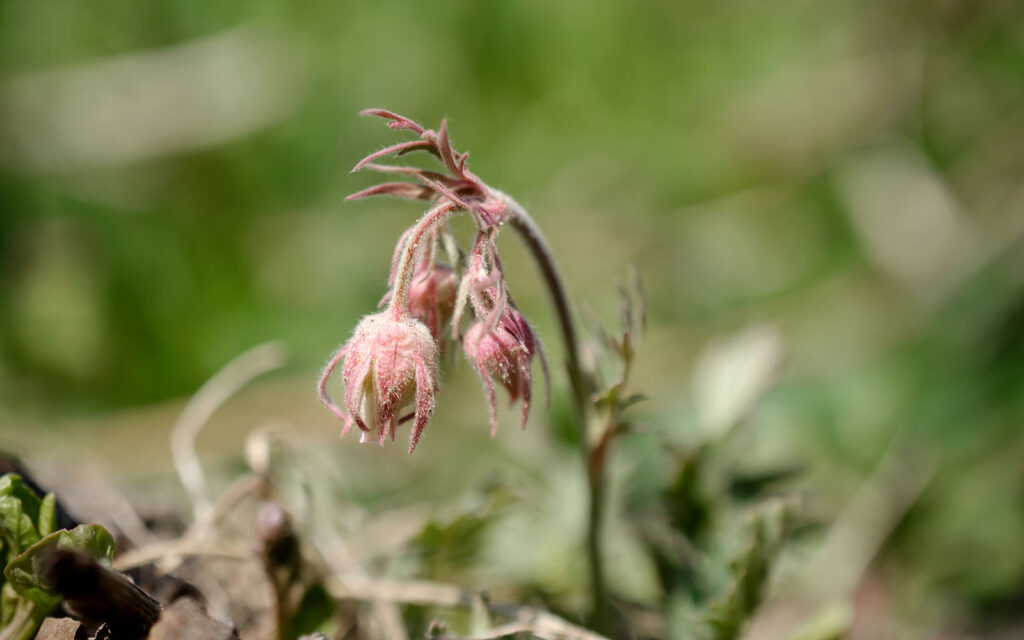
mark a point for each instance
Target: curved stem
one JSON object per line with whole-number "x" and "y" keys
{"x": 593, "y": 459}
{"x": 403, "y": 273}
{"x": 535, "y": 241}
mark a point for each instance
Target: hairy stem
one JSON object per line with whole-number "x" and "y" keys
{"x": 535, "y": 241}
{"x": 403, "y": 273}
{"x": 593, "y": 465}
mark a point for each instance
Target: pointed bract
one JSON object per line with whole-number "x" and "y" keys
{"x": 406, "y": 190}
{"x": 458, "y": 185}
{"x": 397, "y": 121}
{"x": 397, "y": 149}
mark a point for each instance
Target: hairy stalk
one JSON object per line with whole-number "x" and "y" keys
{"x": 538, "y": 245}
{"x": 593, "y": 464}
{"x": 403, "y": 274}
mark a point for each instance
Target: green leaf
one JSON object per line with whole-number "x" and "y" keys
{"x": 12, "y": 485}
{"x": 24, "y": 572}
{"x": 315, "y": 608}
{"x": 631, "y": 400}
{"x": 446, "y": 545}
{"x": 47, "y": 522}
{"x": 750, "y": 570}
{"x": 753, "y": 485}
{"x": 686, "y": 500}
{"x": 19, "y": 513}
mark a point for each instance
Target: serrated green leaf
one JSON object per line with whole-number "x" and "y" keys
{"x": 24, "y": 572}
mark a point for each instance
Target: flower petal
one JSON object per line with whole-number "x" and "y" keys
{"x": 355, "y": 386}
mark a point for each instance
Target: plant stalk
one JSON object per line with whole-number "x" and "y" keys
{"x": 593, "y": 465}
{"x": 403, "y": 274}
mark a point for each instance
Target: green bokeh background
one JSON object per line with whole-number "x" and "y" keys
{"x": 849, "y": 172}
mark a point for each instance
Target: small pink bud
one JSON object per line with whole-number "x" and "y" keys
{"x": 388, "y": 363}
{"x": 504, "y": 353}
{"x": 432, "y": 296}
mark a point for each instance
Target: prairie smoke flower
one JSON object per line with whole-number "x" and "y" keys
{"x": 432, "y": 296}
{"x": 392, "y": 357}
{"x": 504, "y": 352}
{"x": 389, "y": 362}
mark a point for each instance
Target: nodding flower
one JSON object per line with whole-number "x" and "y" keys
{"x": 504, "y": 351}
{"x": 392, "y": 357}
{"x": 389, "y": 362}
{"x": 432, "y": 296}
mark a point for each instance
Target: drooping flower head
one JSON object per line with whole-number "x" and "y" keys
{"x": 504, "y": 352}
{"x": 392, "y": 357}
{"x": 389, "y": 362}
{"x": 432, "y": 296}
{"x": 432, "y": 287}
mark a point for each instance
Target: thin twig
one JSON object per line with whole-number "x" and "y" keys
{"x": 128, "y": 520}
{"x": 895, "y": 484}
{"x": 191, "y": 541}
{"x": 499, "y": 632}
{"x": 241, "y": 488}
{"x": 826, "y": 583}
{"x": 388, "y": 614}
{"x": 422, "y": 593}
{"x": 16, "y": 627}
{"x": 175, "y": 549}
{"x": 214, "y": 392}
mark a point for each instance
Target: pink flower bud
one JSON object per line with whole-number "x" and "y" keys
{"x": 388, "y": 363}
{"x": 432, "y": 296}
{"x": 504, "y": 353}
